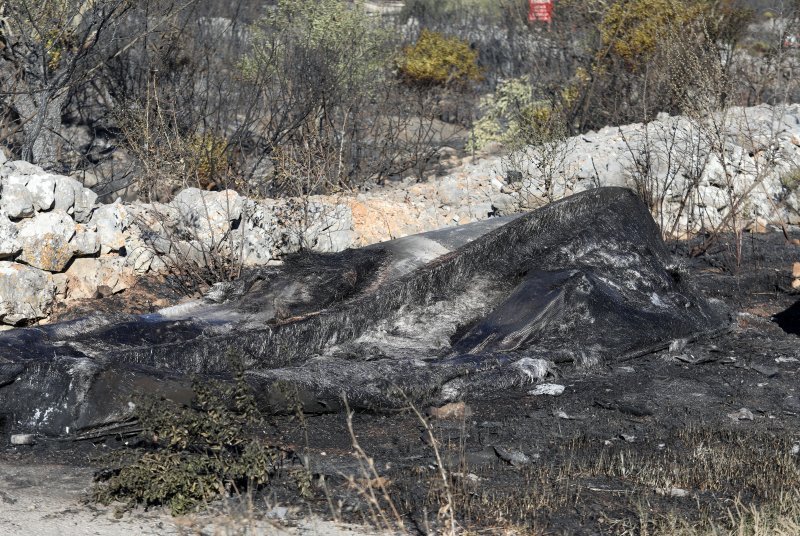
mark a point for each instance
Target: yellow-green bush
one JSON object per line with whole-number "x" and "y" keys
{"x": 502, "y": 112}
{"x": 632, "y": 29}
{"x": 438, "y": 60}
{"x": 207, "y": 159}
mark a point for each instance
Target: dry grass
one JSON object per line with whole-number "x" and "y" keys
{"x": 372, "y": 487}
{"x": 697, "y": 481}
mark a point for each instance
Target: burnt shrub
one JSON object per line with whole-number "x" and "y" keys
{"x": 191, "y": 455}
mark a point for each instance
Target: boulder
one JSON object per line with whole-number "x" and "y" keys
{"x": 141, "y": 252}
{"x": 16, "y": 201}
{"x": 67, "y": 190}
{"x": 256, "y": 242}
{"x": 46, "y": 240}
{"x": 328, "y": 228}
{"x": 450, "y": 192}
{"x": 478, "y": 211}
{"x": 255, "y": 245}
{"x": 208, "y": 216}
{"x": 713, "y": 197}
{"x": 9, "y": 245}
{"x": 42, "y": 188}
{"x": 504, "y": 204}
{"x": 86, "y": 275}
{"x": 140, "y": 257}
{"x": 86, "y": 241}
{"x": 26, "y": 293}
{"x": 3, "y": 158}
{"x": 84, "y": 204}
{"x": 60, "y": 282}
{"x": 19, "y": 168}
{"x": 111, "y": 221}
{"x": 151, "y": 240}
{"x": 190, "y": 253}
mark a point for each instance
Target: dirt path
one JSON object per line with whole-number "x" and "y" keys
{"x": 48, "y": 500}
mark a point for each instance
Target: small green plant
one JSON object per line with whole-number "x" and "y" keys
{"x": 438, "y": 60}
{"x": 535, "y": 133}
{"x": 343, "y": 50}
{"x": 503, "y": 113}
{"x": 207, "y": 159}
{"x": 194, "y": 454}
{"x": 791, "y": 179}
{"x": 512, "y": 116}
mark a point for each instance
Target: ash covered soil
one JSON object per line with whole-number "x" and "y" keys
{"x": 703, "y": 435}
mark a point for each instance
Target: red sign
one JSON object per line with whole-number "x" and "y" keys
{"x": 540, "y": 11}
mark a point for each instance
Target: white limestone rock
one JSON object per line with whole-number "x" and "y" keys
{"x": 16, "y": 201}
{"x": 18, "y": 168}
{"x": 85, "y": 200}
{"x": 88, "y": 276}
{"x": 329, "y": 228}
{"x": 46, "y": 241}
{"x": 66, "y": 191}
{"x": 208, "y": 216}
{"x": 86, "y": 240}
{"x": 9, "y": 244}
{"x": 26, "y": 293}
{"x": 42, "y": 188}
{"x": 111, "y": 222}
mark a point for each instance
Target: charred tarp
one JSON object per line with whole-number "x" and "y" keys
{"x": 469, "y": 311}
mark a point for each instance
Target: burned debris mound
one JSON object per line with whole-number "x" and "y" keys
{"x": 789, "y": 319}
{"x": 429, "y": 317}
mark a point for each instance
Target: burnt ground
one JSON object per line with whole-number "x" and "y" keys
{"x": 699, "y": 436}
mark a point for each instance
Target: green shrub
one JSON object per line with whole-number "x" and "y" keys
{"x": 320, "y": 67}
{"x": 791, "y": 179}
{"x": 438, "y": 60}
{"x": 634, "y": 29}
{"x": 513, "y": 117}
{"x": 194, "y": 454}
{"x": 502, "y": 113}
{"x": 207, "y": 160}
{"x": 328, "y": 46}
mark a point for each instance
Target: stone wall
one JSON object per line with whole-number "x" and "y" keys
{"x": 57, "y": 243}
{"x": 695, "y": 168}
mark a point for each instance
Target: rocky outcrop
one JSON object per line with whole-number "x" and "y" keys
{"x": 692, "y": 171}
{"x": 90, "y": 277}
{"x": 9, "y": 244}
{"x": 17, "y": 201}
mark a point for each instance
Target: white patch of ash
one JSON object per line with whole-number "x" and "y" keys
{"x": 534, "y": 370}
{"x": 428, "y": 329}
